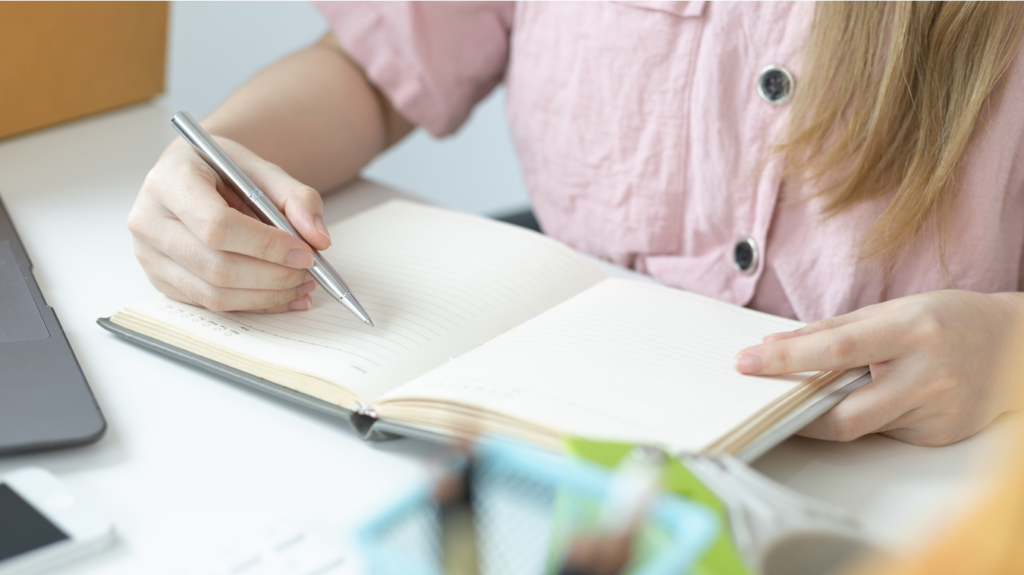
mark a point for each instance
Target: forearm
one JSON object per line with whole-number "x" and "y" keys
{"x": 312, "y": 113}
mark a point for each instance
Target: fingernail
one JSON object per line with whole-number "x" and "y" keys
{"x": 319, "y": 223}
{"x": 746, "y": 363}
{"x": 300, "y": 259}
{"x": 301, "y": 304}
{"x": 307, "y": 288}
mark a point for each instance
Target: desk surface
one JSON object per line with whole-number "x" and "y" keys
{"x": 190, "y": 458}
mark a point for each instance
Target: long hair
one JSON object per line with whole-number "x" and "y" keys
{"x": 890, "y": 96}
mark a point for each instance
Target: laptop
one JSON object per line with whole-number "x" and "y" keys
{"x": 45, "y": 402}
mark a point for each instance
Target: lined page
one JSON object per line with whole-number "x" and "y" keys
{"x": 436, "y": 284}
{"x": 624, "y": 361}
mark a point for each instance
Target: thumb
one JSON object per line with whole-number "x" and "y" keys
{"x": 301, "y": 204}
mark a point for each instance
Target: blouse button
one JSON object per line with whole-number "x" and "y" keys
{"x": 775, "y": 84}
{"x": 745, "y": 255}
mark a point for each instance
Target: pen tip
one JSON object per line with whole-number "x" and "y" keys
{"x": 353, "y": 306}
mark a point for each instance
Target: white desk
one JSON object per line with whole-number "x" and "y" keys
{"x": 189, "y": 457}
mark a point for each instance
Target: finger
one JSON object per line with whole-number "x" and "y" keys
{"x": 301, "y": 204}
{"x": 926, "y": 437}
{"x": 235, "y": 201}
{"x": 170, "y": 291}
{"x": 301, "y": 304}
{"x": 220, "y": 268}
{"x": 874, "y": 340}
{"x": 933, "y": 428}
{"x": 829, "y": 322}
{"x": 192, "y": 199}
{"x": 304, "y": 303}
{"x": 906, "y": 435}
{"x": 226, "y": 229}
{"x": 869, "y": 409}
{"x": 216, "y": 298}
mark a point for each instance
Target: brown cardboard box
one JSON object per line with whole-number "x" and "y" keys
{"x": 65, "y": 60}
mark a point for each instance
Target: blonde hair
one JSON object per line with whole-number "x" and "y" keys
{"x": 891, "y": 95}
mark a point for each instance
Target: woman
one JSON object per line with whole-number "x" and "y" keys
{"x": 842, "y": 164}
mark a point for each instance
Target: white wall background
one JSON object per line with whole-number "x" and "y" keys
{"x": 214, "y": 47}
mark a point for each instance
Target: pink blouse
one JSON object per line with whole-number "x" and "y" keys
{"x": 643, "y": 139}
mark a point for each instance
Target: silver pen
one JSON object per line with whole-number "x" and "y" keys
{"x": 260, "y": 205}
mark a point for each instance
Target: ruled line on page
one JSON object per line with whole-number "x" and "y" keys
{"x": 622, "y": 360}
{"x": 435, "y": 283}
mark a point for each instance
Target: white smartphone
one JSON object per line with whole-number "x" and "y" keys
{"x": 42, "y": 524}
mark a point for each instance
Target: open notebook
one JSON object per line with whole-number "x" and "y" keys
{"x": 486, "y": 327}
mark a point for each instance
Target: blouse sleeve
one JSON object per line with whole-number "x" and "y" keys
{"x": 433, "y": 60}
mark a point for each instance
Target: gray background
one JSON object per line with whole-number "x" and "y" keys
{"x": 214, "y": 47}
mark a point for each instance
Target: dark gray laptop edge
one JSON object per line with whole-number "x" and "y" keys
{"x": 45, "y": 401}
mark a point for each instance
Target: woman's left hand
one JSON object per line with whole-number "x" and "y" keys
{"x": 944, "y": 364}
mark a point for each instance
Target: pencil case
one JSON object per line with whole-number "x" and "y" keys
{"x": 527, "y": 504}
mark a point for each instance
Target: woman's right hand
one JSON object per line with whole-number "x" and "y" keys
{"x": 199, "y": 244}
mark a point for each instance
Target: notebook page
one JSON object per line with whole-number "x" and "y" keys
{"x": 624, "y": 361}
{"x": 436, "y": 283}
